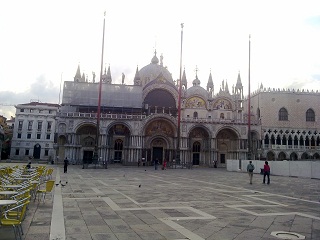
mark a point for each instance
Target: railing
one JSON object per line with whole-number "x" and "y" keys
{"x": 143, "y": 116}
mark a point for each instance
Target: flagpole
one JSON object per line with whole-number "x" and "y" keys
{"x": 177, "y": 157}
{"x": 249, "y": 105}
{"x": 96, "y": 152}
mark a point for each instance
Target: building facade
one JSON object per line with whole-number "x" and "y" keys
{"x": 140, "y": 121}
{"x": 33, "y": 132}
{"x": 290, "y": 123}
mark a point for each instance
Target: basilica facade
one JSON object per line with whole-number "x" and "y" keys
{"x": 139, "y": 122}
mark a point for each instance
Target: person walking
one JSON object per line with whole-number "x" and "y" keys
{"x": 250, "y": 168}
{"x": 266, "y": 172}
{"x": 65, "y": 165}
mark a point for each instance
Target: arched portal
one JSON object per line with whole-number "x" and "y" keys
{"x": 86, "y": 137}
{"x": 293, "y": 156}
{"x": 36, "y": 151}
{"x": 159, "y": 135}
{"x": 119, "y": 141}
{"x": 270, "y": 156}
{"x": 200, "y": 145}
{"x": 227, "y": 145}
{"x": 62, "y": 140}
{"x": 281, "y": 156}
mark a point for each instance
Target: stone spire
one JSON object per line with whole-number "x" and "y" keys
{"x": 137, "y": 79}
{"x": 239, "y": 88}
{"x": 210, "y": 87}
{"x": 184, "y": 80}
{"x": 108, "y": 76}
{"x": 77, "y": 77}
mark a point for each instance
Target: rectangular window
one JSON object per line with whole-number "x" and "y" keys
{"x": 48, "y": 136}
{"x": 17, "y": 151}
{"x": 39, "y": 136}
{"x": 31, "y": 110}
{"x": 27, "y": 152}
{"x": 39, "y": 126}
{"x": 20, "y": 125}
{"x": 19, "y": 135}
{"x": 50, "y": 111}
{"x": 30, "y": 125}
{"x": 28, "y": 135}
{"x": 21, "y": 110}
{"x": 49, "y": 126}
{"x": 46, "y": 152}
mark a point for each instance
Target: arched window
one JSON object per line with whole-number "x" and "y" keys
{"x": 310, "y": 116}
{"x": 196, "y": 147}
{"x": 283, "y": 114}
{"x": 221, "y": 115}
{"x": 195, "y": 115}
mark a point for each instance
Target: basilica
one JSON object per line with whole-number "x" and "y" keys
{"x": 139, "y": 122}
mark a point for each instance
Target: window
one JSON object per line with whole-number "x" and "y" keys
{"x": 30, "y": 125}
{"x": 50, "y": 111}
{"x": 28, "y": 135}
{"x": 39, "y": 136}
{"x": 49, "y": 126}
{"x": 17, "y": 151}
{"x": 48, "y": 136}
{"x": 310, "y": 116}
{"x": 19, "y": 135}
{"x": 26, "y": 152}
{"x": 283, "y": 114}
{"x": 46, "y": 152}
{"x": 20, "y": 125}
{"x": 31, "y": 110}
{"x": 39, "y": 126}
{"x": 221, "y": 115}
{"x": 195, "y": 115}
{"x": 21, "y": 110}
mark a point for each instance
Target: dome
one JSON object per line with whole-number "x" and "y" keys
{"x": 196, "y": 89}
{"x": 153, "y": 70}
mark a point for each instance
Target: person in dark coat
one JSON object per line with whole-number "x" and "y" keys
{"x": 65, "y": 165}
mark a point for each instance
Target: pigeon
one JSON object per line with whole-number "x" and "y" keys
{"x": 57, "y": 184}
{"x": 140, "y": 185}
{"x": 66, "y": 182}
{"x": 62, "y": 185}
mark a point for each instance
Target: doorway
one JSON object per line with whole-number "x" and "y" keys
{"x": 87, "y": 157}
{"x": 36, "y": 151}
{"x": 196, "y": 158}
{"x": 157, "y": 153}
{"x": 222, "y": 158}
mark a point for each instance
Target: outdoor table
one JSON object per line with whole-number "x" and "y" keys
{"x": 4, "y": 203}
{"x": 11, "y": 186}
{"x": 7, "y": 193}
{"x": 7, "y": 202}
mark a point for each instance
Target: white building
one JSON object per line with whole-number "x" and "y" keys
{"x": 33, "y": 133}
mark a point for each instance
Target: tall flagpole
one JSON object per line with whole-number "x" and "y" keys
{"x": 177, "y": 157}
{"x": 96, "y": 153}
{"x": 249, "y": 105}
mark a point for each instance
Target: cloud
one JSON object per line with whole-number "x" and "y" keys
{"x": 41, "y": 90}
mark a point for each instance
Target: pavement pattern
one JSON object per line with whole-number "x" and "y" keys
{"x": 131, "y": 203}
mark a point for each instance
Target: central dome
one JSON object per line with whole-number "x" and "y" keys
{"x": 153, "y": 70}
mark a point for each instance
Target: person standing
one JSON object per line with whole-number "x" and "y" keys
{"x": 65, "y": 165}
{"x": 156, "y": 161}
{"x": 250, "y": 168}
{"x": 266, "y": 172}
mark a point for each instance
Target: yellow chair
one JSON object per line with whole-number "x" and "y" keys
{"x": 14, "y": 222}
{"x": 48, "y": 189}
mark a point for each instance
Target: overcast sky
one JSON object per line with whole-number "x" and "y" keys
{"x": 42, "y": 43}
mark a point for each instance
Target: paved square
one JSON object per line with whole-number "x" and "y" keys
{"x": 203, "y": 203}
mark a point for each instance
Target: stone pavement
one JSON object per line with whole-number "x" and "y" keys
{"x": 127, "y": 203}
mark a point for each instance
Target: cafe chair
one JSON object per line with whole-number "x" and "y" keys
{"x": 48, "y": 189}
{"x": 14, "y": 221}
